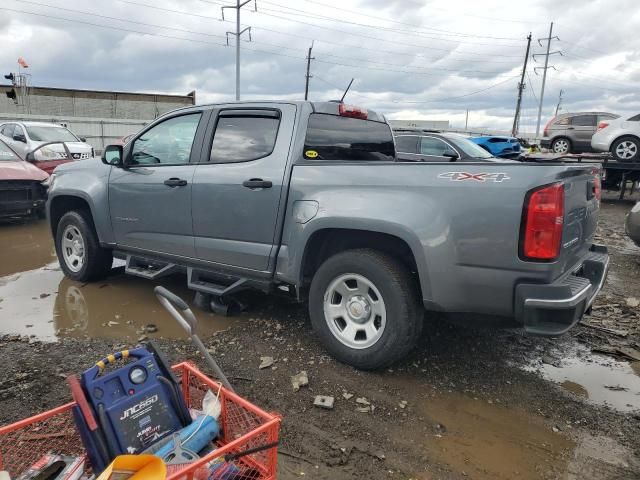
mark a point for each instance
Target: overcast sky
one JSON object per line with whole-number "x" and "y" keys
{"x": 410, "y": 59}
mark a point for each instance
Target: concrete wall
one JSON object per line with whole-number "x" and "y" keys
{"x": 88, "y": 103}
{"x": 100, "y": 117}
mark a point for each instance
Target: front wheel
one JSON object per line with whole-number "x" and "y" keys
{"x": 365, "y": 308}
{"x": 79, "y": 252}
{"x": 626, "y": 149}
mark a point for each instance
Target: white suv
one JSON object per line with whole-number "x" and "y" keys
{"x": 621, "y": 137}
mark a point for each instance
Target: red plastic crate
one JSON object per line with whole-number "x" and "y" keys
{"x": 243, "y": 426}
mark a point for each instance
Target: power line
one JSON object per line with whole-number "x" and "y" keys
{"x": 444, "y": 32}
{"x": 322, "y": 41}
{"x": 384, "y": 40}
{"x": 384, "y": 64}
{"x": 443, "y": 9}
{"x": 305, "y": 13}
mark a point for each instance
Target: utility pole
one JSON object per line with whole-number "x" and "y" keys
{"x": 308, "y": 76}
{"x": 238, "y": 33}
{"x": 545, "y": 68}
{"x": 521, "y": 86}
{"x": 466, "y": 119}
{"x": 559, "y": 102}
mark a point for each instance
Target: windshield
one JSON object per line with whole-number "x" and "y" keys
{"x": 470, "y": 148}
{"x": 6, "y": 154}
{"x": 50, "y": 134}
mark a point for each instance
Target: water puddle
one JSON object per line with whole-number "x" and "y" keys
{"x": 488, "y": 441}
{"x": 36, "y": 299}
{"x": 597, "y": 378}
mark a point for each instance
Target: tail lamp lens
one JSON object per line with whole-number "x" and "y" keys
{"x": 543, "y": 223}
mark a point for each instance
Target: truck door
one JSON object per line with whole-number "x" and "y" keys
{"x": 150, "y": 199}
{"x": 237, "y": 189}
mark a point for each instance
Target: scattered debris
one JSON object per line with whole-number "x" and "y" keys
{"x": 265, "y": 362}
{"x": 151, "y": 328}
{"x": 402, "y": 404}
{"x": 633, "y": 302}
{"x": 45, "y": 295}
{"x": 143, "y": 338}
{"x": 112, "y": 323}
{"x": 324, "y": 401}
{"x": 629, "y": 352}
{"x": 346, "y": 395}
{"x": 549, "y": 360}
{"x": 363, "y": 401}
{"x": 616, "y": 388}
{"x": 619, "y": 333}
{"x": 299, "y": 380}
{"x": 366, "y": 409}
{"x": 556, "y": 429}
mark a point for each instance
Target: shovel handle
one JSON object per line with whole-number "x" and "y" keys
{"x": 178, "y": 309}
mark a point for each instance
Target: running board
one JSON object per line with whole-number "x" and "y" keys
{"x": 149, "y": 270}
{"x": 198, "y": 283}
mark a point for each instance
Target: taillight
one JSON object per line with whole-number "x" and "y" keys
{"x": 545, "y": 132}
{"x": 602, "y": 125}
{"x": 352, "y": 111}
{"x": 543, "y": 220}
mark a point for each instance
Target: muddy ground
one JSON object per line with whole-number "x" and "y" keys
{"x": 468, "y": 403}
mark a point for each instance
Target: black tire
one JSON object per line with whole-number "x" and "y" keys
{"x": 97, "y": 260}
{"x": 399, "y": 291}
{"x": 633, "y": 142}
{"x": 560, "y": 140}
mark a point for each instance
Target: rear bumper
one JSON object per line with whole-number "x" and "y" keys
{"x": 554, "y": 308}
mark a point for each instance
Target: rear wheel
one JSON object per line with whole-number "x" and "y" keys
{"x": 626, "y": 149}
{"x": 561, "y": 146}
{"x": 365, "y": 308}
{"x": 79, "y": 252}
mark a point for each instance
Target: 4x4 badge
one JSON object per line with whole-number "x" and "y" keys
{"x": 478, "y": 177}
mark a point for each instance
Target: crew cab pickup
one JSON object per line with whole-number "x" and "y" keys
{"x": 309, "y": 199}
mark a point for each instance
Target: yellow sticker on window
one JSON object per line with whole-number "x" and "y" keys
{"x": 311, "y": 154}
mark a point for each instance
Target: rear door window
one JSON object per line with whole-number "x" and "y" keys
{"x": 242, "y": 138}
{"x": 331, "y": 137}
{"x": 407, "y": 143}
{"x": 434, "y": 146}
{"x": 584, "y": 121}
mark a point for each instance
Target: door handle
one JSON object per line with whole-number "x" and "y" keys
{"x": 570, "y": 128}
{"x": 175, "y": 182}
{"x": 257, "y": 183}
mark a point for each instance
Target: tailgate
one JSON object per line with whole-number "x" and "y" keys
{"x": 581, "y": 206}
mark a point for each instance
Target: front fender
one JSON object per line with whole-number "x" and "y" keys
{"x": 86, "y": 180}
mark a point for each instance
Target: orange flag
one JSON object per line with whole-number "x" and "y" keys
{"x": 22, "y": 62}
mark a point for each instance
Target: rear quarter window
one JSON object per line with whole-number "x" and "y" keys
{"x": 330, "y": 137}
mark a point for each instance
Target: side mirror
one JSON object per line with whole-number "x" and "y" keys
{"x": 113, "y": 155}
{"x": 453, "y": 156}
{"x": 18, "y": 137}
{"x": 83, "y": 139}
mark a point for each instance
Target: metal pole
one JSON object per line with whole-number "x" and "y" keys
{"x": 237, "y": 49}
{"x": 307, "y": 76}
{"x": 559, "y": 102}
{"x": 544, "y": 79}
{"x": 516, "y": 117}
{"x": 466, "y": 120}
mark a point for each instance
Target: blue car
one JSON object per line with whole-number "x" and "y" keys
{"x": 503, "y": 147}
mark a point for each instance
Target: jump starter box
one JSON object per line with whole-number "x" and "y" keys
{"x": 137, "y": 404}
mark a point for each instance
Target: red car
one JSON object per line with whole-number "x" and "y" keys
{"x": 23, "y": 186}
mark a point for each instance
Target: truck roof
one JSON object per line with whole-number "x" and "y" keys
{"x": 330, "y": 108}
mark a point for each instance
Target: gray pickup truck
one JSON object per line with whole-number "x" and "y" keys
{"x": 309, "y": 200}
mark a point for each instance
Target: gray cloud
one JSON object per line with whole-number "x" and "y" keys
{"x": 461, "y": 47}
